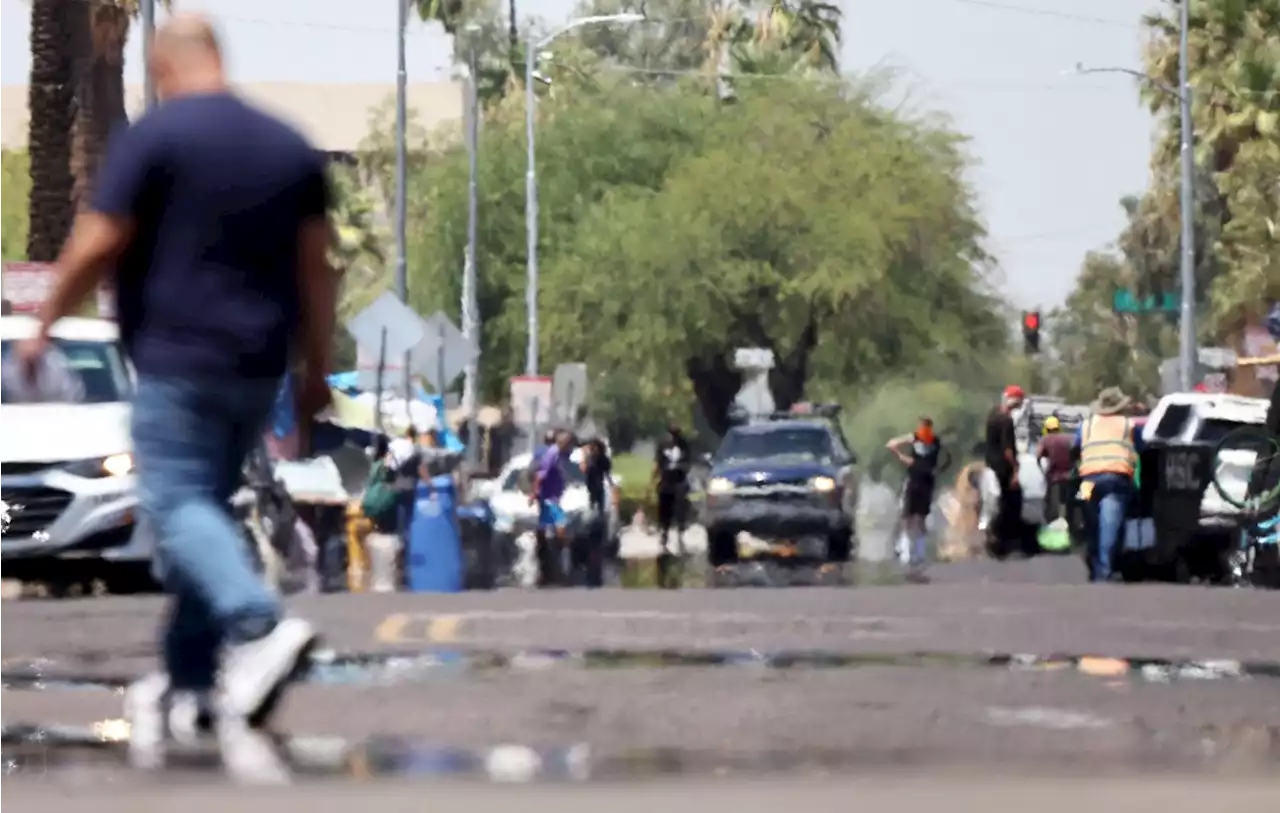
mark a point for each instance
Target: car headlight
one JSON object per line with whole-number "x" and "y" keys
{"x": 116, "y": 465}
{"x": 822, "y": 484}
{"x": 719, "y": 485}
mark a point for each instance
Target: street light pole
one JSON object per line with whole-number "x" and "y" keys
{"x": 402, "y": 263}
{"x": 470, "y": 317}
{"x": 1187, "y": 352}
{"x": 532, "y": 47}
{"x": 530, "y": 212}
{"x": 148, "y": 12}
{"x": 1187, "y": 323}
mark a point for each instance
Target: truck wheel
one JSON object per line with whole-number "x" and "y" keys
{"x": 722, "y": 547}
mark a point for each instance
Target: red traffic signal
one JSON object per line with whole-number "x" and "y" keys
{"x": 1031, "y": 320}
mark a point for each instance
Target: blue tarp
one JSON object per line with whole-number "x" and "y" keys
{"x": 448, "y": 439}
{"x": 349, "y": 382}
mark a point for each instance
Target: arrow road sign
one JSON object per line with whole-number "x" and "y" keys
{"x": 442, "y": 353}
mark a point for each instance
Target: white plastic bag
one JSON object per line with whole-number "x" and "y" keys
{"x": 384, "y": 550}
{"x": 989, "y": 490}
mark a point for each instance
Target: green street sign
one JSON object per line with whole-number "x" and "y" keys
{"x": 1125, "y": 302}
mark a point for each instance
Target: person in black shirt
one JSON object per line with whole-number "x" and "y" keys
{"x": 671, "y": 475}
{"x": 920, "y": 451}
{"x": 598, "y": 471}
{"x": 1001, "y": 457}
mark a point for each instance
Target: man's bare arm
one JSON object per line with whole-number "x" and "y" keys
{"x": 96, "y": 242}
{"x": 318, "y": 295}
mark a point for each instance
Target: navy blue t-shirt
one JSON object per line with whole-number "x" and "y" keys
{"x": 218, "y": 191}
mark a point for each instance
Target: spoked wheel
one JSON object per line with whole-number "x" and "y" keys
{"x": 1252, "y": 485}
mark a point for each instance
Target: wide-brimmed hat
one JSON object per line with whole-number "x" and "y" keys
{"x": 1110, "y": 401}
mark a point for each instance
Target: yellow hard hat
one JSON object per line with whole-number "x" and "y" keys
{"x": 1052, "y": 424}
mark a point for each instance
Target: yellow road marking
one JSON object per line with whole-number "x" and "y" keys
{"x": 391, "y": 630}
{"x": 443, "y": 629}
{"x": 437, "y": 629}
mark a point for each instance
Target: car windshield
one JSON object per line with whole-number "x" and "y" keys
{"x": 809, "y": 443}
{"x": 98, "y": 372}
{"x": 520, "y": 478}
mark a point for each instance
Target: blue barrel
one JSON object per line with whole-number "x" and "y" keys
{"x": 434, "y": 559}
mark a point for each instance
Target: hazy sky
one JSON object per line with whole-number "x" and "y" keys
{"x": 1056, "y": 152}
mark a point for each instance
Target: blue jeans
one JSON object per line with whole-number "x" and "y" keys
{"x": 1110, "y": 504}
{"x": 190, "y": 440}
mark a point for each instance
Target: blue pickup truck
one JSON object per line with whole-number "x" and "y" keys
{"x": 790, "y": 480}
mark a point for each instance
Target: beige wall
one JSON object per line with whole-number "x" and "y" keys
{"x": 334, "y": 117}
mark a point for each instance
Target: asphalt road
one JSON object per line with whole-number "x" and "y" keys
{"x": 995, "y": 669}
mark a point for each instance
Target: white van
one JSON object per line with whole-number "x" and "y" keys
{"x": 66, "y": 471}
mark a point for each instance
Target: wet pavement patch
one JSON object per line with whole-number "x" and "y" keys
{"x": 440, "y": 663}
{"x": 101, "y": 750}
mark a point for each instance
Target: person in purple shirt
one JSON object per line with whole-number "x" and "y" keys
{"x": 548, "y": 488}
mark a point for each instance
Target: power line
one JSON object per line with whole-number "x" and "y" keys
{"x": 786, "y": 77}
{"x": 1034, "y": 11}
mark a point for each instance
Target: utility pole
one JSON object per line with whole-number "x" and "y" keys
{"x": 402, "y": 267}
{"x": 1187, "y": 354}
{"x": 531, "y": 210}
{"x": 148, "y": 12}
{"x": 470, "y": 315}
{"x": 532, "y": 46}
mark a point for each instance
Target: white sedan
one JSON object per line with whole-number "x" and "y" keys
{"x": 509, "y": 500}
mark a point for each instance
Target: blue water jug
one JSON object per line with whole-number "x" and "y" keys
{"x": 434, "y": 559}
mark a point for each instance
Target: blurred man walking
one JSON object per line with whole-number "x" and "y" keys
{"x": 213, "y": 216}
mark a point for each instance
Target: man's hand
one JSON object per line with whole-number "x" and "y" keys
{"x": 29, "y": 352}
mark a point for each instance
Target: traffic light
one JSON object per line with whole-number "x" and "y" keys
{"x": 1031, "y": 332}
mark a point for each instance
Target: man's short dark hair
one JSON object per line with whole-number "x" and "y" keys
{"x": 550, "y": 436}
{"x": 411, "y": 432}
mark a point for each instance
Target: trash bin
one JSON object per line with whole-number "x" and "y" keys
{"x": 434, "y": 560}
{"x": 1197, "y": 532}
{"x": 480, "y": 566}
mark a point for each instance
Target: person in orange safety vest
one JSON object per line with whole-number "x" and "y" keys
{"x": 1109, "y": 448}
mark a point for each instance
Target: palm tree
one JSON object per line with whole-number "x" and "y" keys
{"x": 449, "y": 13}
{"x": 100, "y": 106}
{"x": 1235, "y": 78}
{"x": 51, "y": 103}
{"x": 808, "y": 28}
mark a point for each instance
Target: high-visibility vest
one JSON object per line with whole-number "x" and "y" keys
{"x": 1106, "y": 446}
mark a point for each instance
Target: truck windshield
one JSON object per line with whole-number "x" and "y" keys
{"x": 812, "y": 443}
{"x": 96, "y": 366}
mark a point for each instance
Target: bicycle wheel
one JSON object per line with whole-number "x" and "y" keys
{"x": 1246, "y": 469}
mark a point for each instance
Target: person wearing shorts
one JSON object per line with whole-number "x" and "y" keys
{"x": 548, "y": 488}
{"x": 920, "y": 451}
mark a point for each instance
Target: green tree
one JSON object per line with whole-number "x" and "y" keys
{"x": 813, "y": 225}
{"x": 15, "y": 192}
{"x": 1096, "y": 347}
{"x": 1235, "y": 77}
{"x": 621, "y": 136}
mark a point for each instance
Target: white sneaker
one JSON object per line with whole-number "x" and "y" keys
{"x": 254, "y": 673}
{"x": 144, "y": 710}
{"x": 250, "y": 757}
{"x": 158, "y": 717}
